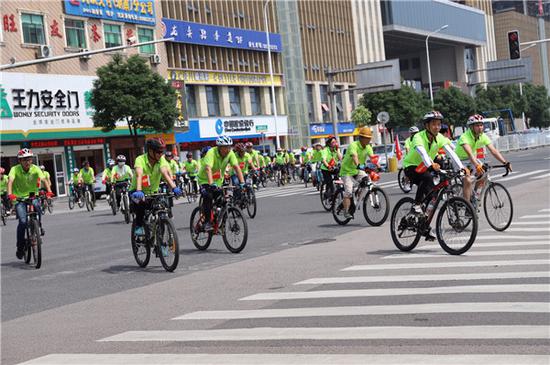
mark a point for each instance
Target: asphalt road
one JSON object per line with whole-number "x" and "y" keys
{"x": 91, "y": 298}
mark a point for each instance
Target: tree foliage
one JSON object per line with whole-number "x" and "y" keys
{"x": 455, "y": 105}
{"x": 130, "y": 91}
{"x": 405, "y": 106}
{"x": 538, "y": 105}
{"x": 361, "y": 116}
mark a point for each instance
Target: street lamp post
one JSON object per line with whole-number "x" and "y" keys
{"x": 428, "y": 60}
{"x": 277, "y": 140}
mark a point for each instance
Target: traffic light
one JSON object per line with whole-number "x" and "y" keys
{"x": 513, "y": 45}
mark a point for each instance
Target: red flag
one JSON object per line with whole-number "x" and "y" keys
{"x": 398, "y": 151}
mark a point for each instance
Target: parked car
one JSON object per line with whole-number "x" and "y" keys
{"x": 99, "y": 186}
{"x": 379, "y": 150}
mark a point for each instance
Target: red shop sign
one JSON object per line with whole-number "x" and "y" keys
{"x": 84, "y": 141}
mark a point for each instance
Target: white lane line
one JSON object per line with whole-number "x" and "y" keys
{"x": 373, "y": 310}
{"x": 544, "y": 210}
{"x": 516, "y": 229}
{"x": 470, "y": 253}
{"x": 350, "y": 293}
{"x": 286, "y": 359}
{"x": 532, "y": 223}
{"x": 535, "y": 216}
{"x": 541, "y": 177}
{"x": 508, "y": 244}
{"x": 338, "y": 333}
{"x": 512, "y": 237}
{"x": 437, "y": 277}
{"x": 433, "y": 265}
{"x": 519, "y": 176}
{"x": 274, "y": 193}
{"x": 313, "y": 193}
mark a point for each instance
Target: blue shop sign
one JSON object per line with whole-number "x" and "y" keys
{"x": 213, "y": 35}
{"x": 326, "y": 128}
{"x": 128, "y": 11}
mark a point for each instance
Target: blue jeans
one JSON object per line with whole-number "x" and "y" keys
{"x": 21, "y": 209}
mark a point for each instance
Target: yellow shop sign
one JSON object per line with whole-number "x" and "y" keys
{"x": 224, "y": 78}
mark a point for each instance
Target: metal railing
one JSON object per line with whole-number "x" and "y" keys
{"x": 522, "y": 141}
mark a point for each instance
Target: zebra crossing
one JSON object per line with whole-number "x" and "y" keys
{"x": 475, "y": 287}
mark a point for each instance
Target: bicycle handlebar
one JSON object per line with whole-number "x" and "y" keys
{"x": 504, "y": 166}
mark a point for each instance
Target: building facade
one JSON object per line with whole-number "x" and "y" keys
{"x": 46, "y": 106}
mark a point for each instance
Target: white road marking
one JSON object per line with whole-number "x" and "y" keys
{"x": 495, "y": 244}
{"x": 512, "y": 237}
{"x": 535, "y": 216}
{"x": 532, "y": 223}
{"x": 519, "y": 176}
{"x": 516, "y": 229}
{"x": 350, "y": 293}
{"x": 373, "y": 310}
{"x": 338, "y": 333}
{"x": 286, "y": 359}
{"x": 541, "y": 177}
{"x": 469, "y": 254}
{"x": 433, "y": 265}
{"x": 436, "y": 277}
{"x": 544, "y": 210}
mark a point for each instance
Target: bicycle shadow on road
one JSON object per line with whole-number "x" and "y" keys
{"x": 396, "y": 251}
{"x": 117, "y": 269}
{"x": 332, "y": 225}
{"x": 18, "y": 264}
{"x": 315, "y": 212}
{"x": 110, "y": 222}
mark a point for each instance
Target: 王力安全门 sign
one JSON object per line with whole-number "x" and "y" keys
{"x": 128, "y": 11}
{"x": 224, "y": 78}
{"x": 217, "y": 36}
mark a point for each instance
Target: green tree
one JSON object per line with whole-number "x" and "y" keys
{"x": 361, "y": 116}
{"x": 494, "y": 98}
{"x": 455, "y": 105}
{"x": 538, "y": 105}
{"x": 406, "y": 106}
{"x": 130, "y": 91}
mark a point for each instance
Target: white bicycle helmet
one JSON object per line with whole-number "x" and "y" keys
{"x": 224, "y": 141}
{"x": 24, "y": 153}
{"x": 432, "y": 115}
{"x": 42, "y": 167}
{"x": 475, "y": 119}
{"x": 413, "y": 129}
{"x": 76, "y": 170}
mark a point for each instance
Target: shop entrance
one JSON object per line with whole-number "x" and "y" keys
{"x": 53, "y": 163}
{"x": 94, "y": 157}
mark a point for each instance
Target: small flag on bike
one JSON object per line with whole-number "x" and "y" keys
{"x": 398, "y": 152}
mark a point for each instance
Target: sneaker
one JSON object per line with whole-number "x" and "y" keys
{"x": 42, "y": 231}
{"x": 208, "y": 227}
{"x": 19, "y": 254}
{"x": 139, "y": 231}
{"x": 429, "y": 236}
{"x": 347, "y": 215}
{"x": 164, "y": 250}
{"x": 417, "y": 208}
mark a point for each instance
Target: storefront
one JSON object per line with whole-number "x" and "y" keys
{"x": 319, "y": 132}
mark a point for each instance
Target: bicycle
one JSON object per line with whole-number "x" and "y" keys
{"x": 247, "y": 200}
{"x": 262, "y": 177}
{"x": 404, "y": 183}
{"x": 497, "y": 206}
{"x": 122, "y": 186}
{"x": 306, "y": 173}
{"x": 325, "y": 193}
{"x": 191, "y": 188}
{"x": 163, "y": 189}
{"x": 46, "y": 204}
{"x": 226, "y": 219}
{"x": 375, "y": 202}
{"x": 280, "y": 175}
{"x": 75, "y": 196}
{"x": 3, "y": 213}
{"x": 456, "y": 216}
{"x": 160, "y": 234}
{"x": 88, "y": 200}
{"x": 32, "y": 248}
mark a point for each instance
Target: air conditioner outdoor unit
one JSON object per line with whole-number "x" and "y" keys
{"x": 155, "y": 59}
{"x": 44, "y": 51}
{"x": 85, "y": 56}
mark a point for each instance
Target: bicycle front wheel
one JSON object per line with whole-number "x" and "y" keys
{"x": 3, "y": 214}
{"x": 338, "y": 208}
{"x": 234, "y": 230}
{"x": 376, "y": 207}
{"x": 167, "y": 241}
{"x": 112, "y": 201}
{"x": 404, "y": 183}
{"x": 326, "y": 197}
{"x": 71, "y": 202}
{"x": 498, "y": 207}
{"x": 456, "y": 226}
{"x": 200, "y": 238}
{"x": 36, "y": 244}
{"x": 89, "y": 203}
{"x": 251, "y": 207}
{"x": 141, "y": 250}
{"x": 126, "y": 207}
{"x": 404, "y": 227}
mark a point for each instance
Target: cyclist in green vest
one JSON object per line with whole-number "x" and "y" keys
{"x": 412, "y": 130}
{"x": 106, "y": 178}
{"x": 4, "y": 190}
{"x": 329, "y": 163}
{"x": 86, "y": 176}
{"x": 120, "y": 173}
{"x": 192, "y": 168}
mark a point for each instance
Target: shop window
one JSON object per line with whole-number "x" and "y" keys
{"x": 113, "y": 35}
{"x": 75, "y": 33}
{"x": 234, "y": 100}
{"x": 325, "y": 108}
{"x": 213, "y": 101}
{"x": 33, "y": 28}
{"x": 404, "y": 65}
{"x": 146, "y": 35}
{"x": 255, "y": 100}
{"x": 190, "y": 103}
{"x": 310, "y": 104}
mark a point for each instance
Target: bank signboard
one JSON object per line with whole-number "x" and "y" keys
{"x": 242, "y": 126}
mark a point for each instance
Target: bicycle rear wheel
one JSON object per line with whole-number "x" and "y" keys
{"x": 126, "y": 207}
{"x": 167, "y": 241}
{"x": 36, "y": 244}
{"x": 404, "y": 228}
{"x": 141, "y": 250}
{"x": 200, "y": 238}
{"x": 498, "y": 206}
{"x": 234, "y": 230}
{"x": 326, "y": 198}
{"x": 337, "y": 208}
{"x": 456, "y": 226}
{"x": 404, "y": 183}
{"x": 88, "y": 199}
{"x": 251, "y": 207}
{"x": 112, "y": 202}
{"x": 81, "y": 201}
{"x": 376, "y": 207}
{"x": 71, "y": 202}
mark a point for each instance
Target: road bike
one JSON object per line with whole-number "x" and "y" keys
{"x": 404, "y": 183}
{"x": 122, "y": 188}
{"x": 493, "y": 197}
{"x": 456, "y": 223}
{"x": 75, "y": 196}
{"x": 160, "y": 234}
{"x": 306, "y": 173}
{"x": 373, "y": 199}
{"x": 227, "y": 221}
{"x": 32, "y": 249}
{"x": 88, "y": 199}
{"x": 191, "y": 188}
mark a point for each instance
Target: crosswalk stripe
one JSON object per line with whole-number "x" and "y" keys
{"x": 512, "y": 237}
{"x": 533, "y": 223}
{"x": 337, "y": 333}
{"x": 287, "y": 359}
{"x": 519, "y": 176}
{"x": 469, "y": 253}
{"x": 372, "y": 310}
{"x": 433, "y": 265}
{"x": 535, "y": 216}
{"x": 541, "y": 177}
{"x": 544, "y": 210}
{"x": 515, "y": 229}
{"x": 435, "y": 277}
{"x": 349, "y": 293}
{"x": 497, "y": 244}
{"x": 287, "y": 191}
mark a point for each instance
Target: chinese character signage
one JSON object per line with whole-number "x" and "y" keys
{"x": 39, "y": 102}
{"x": 224, "y": 78}
{"x": 241, "y": 126}
{"x": 217, "y": 36}
{"x": 128, "y": 11}
{"x": 326, "y": 128}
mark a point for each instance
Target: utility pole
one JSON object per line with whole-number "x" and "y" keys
{"x": 332, "y": 104}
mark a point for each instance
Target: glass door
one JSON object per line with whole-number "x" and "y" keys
{"x": 59, "y": 174}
